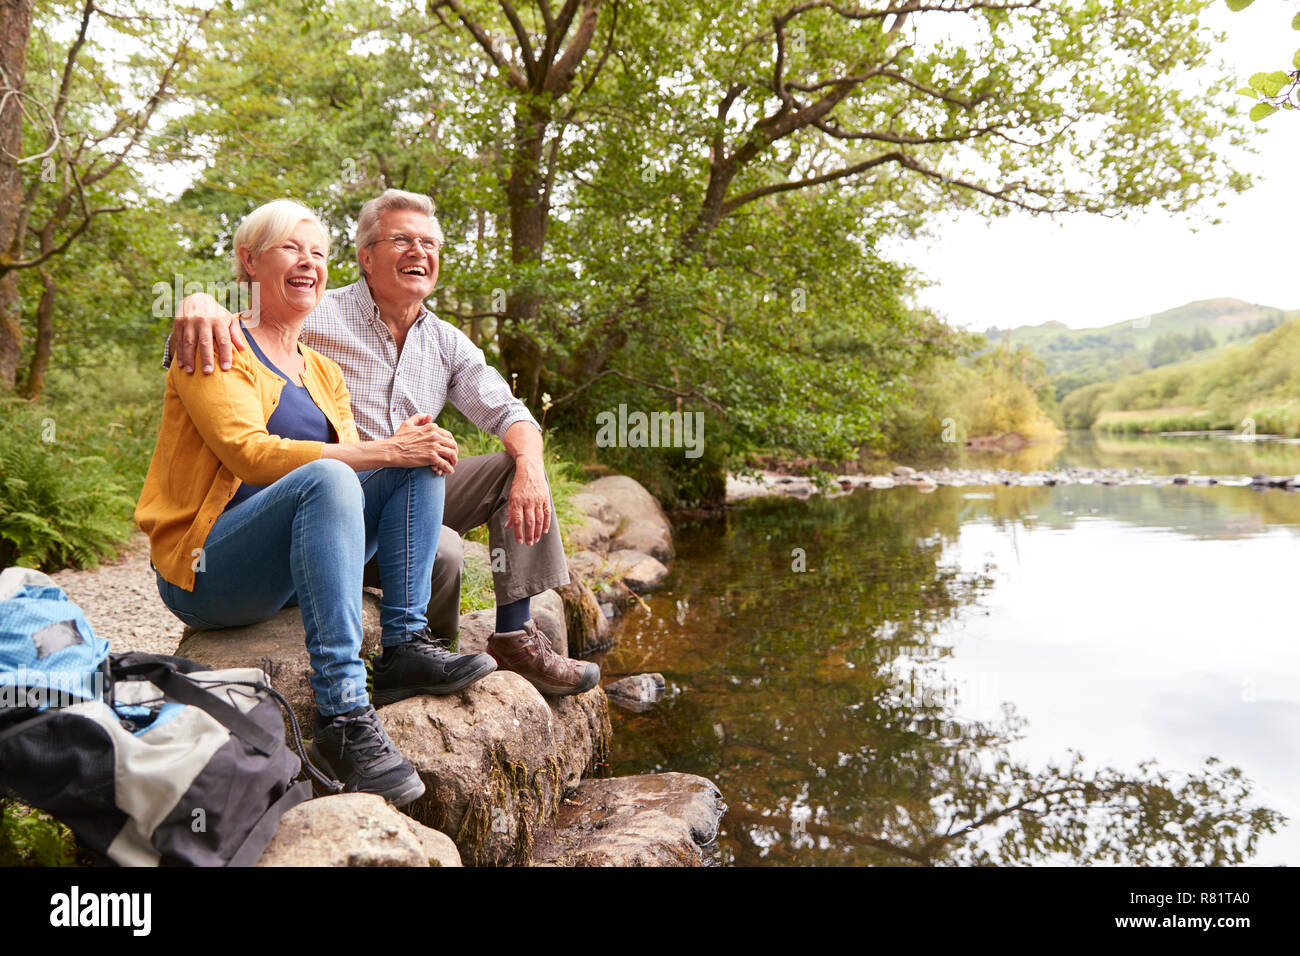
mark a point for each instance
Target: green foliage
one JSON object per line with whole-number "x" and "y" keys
{"x": 1274, "y": 90}
{"x": 89, "y": 210}
{"x": 1159, "y": 422}
{"x": 31, "y": 838}
{"x": 690, "y": 251}
{"x": 72, "y": 466}
{"x": 1169, "y": 348}
{"x": 476, "y": 590}
{"x": 57, "y": 507}
{"x": 994, "y": 393}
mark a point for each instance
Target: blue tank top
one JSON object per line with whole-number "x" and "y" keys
{"x": 295, "y": 416}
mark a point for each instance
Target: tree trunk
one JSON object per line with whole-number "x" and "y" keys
{"x": 44, "y": 338}
{"x": 15, "y": 31}
{"x": 520, "y": 353}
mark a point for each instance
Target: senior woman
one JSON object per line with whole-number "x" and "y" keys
{"x": 260, "y": 495}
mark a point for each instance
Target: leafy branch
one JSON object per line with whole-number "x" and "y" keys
{"x": 1275, "y": 90}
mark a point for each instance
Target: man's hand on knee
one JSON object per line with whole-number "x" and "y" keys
{"x": 528, "y": 511}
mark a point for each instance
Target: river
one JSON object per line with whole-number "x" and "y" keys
{"x": 989, "y": 674}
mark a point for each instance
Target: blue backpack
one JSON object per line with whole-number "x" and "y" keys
{"x": 149, "y": 759}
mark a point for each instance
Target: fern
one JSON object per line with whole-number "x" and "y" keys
{"x": 57, "y": 508}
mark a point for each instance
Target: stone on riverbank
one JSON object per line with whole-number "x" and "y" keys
{"x": 637, "y": 693}
{"x": 642, "y": 526}
{"x": 636, "y": 569}
{"x": 664, "y": 819}
{"x": 496, "y": 759}
{"x": 602, "y": 522}
{"x": 356, "y": 829}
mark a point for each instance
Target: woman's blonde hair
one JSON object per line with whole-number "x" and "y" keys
{"x": 268, "y": 224}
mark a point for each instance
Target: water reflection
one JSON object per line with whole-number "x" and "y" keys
{"x": 840, "y": 709}
{"x": 1210, "y": 454}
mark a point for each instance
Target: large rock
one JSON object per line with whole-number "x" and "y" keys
{"x": 356, "y": 829}
{"x": 496, "y": 760}
{"x": 475, "y": 629}
{"x": 643, "y": 536}
{"x": 664, "y": 819}
{"x": 601, "y": 523}
{"x": 279, "y": 647}
{"x": 548, "y": 614}
{"x": 643, "y": 526}
{"x": 588, "y": 566}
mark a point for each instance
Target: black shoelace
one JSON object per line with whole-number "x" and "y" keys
{"x": 367, "y": 738}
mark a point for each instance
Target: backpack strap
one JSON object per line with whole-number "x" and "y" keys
{"x": 184, "y": 689}
{"x": 164, "y": 675}
{"x": 263, "y": 832}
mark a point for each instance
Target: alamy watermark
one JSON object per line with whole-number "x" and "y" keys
{"x": 654, "y": 430}
{"x": 128, "y": 910}
{"x": 49, "y": 688}
{"x": 231, "y": 294}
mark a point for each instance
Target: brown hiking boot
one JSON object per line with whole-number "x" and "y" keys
{"x": 528, "y": 653}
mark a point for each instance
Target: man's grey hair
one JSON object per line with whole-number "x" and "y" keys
{"x": 388, "y": 201}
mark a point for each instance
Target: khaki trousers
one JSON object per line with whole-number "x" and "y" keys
{"x": 477, "y": 493}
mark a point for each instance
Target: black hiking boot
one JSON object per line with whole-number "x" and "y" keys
{"x": 354, "y": 748}
{"x": 425, "y": 665}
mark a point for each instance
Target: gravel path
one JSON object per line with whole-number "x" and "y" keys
{"x": 120, "y": 599}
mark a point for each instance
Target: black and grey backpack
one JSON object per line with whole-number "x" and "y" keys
{"x": 148, "y": 759}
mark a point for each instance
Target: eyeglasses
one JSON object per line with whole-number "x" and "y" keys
{"x": 403, "y": 243}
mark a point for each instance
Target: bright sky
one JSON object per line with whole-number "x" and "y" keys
{"x": 1089, "y": 271}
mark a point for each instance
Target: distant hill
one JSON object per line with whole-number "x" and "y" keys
{"x": 1077, "y": 357}
{"x": 1251, "y": 385}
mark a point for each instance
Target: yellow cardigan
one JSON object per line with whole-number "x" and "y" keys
{"x": 213, "y": 438}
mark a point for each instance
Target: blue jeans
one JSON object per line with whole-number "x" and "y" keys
{"x": 306, "y": 538}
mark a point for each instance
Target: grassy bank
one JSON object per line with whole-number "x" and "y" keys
{"x": 1255, "y": 386}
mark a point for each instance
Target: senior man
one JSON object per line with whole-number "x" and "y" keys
{"x": 398, "y": 359}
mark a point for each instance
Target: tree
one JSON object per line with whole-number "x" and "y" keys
{"x": 15, "y": 27}
{"x": 767, "y": 94}
{"x": 88, "y": 115}
{"x": 1169, "y": 347}
{"x": 683, "y": 203}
